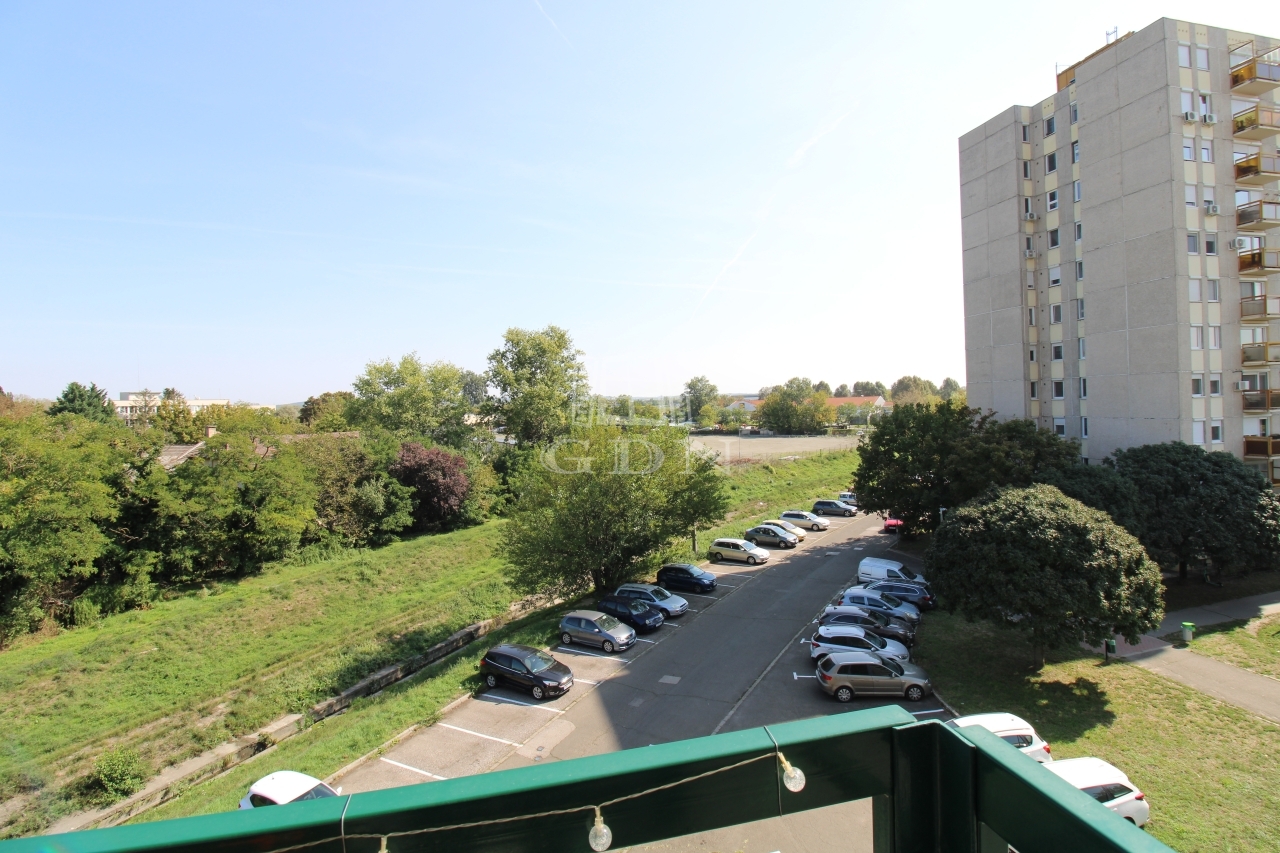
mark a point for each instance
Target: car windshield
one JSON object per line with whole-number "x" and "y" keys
{"x": 637, "y": 607}
{"x": 890, "y": 599}
{"x": 538, "y": 661}
{"x": 879, "y": 618}
{"x": 875, "y": 641}
{"x": 908, "y": 574}
{"x": 897, "y": 670}
{"x": 606, "y": 623}
{"x": 319, "y": 792}
{"x": 826, "y": 664}
{"x": 660, "y": 593}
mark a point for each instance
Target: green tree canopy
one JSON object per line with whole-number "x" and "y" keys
{"x": 913, "y": 389}
{"x": 1100, "y": 487}
{"x": 326, "y": 412}
{"x": 795, "y": 409}
{"x": 1039, "y": 562}
{"x": 538, "y": 376}
{"x": 355, "y": 499}
{"x": 948, "y": 388}
{"x": 821, "y": 385}
{"x": 90, "y": 402}
{"x": 698, "y": 394}
{"x": 870, "y": 389}
{"x": 411, "y": 399}
{"x": 842, "y": 390}
{"x": 603, "y": 505}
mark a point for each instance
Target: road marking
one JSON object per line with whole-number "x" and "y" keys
{"x": 690, "y": 610}
{"x": 669, "y": 679}
{"x": 526, "y": 704}
{"x": 700, "y": 595}
{"x": 833, "y": 553}
{"x": 584, "y": 681}
{"x": 672, "y": 624}
{"x": 477, "y": 734}
{"x": 795, "y": 677}
{"x": 650, "y": 642}
{"x": 726, "y": 585}
{"x": 412, "y": 769}
{"x": 592, "y": 654}
{"x": 922, "y": 713}
{"x": 755, "y": 683}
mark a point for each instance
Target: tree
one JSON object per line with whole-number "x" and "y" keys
{"x": 90, "y": 402}
{"x": 438, "y": 479}
{"x": 603, "y": 505}
{"x": 1102, "y": 488}
{"x": 949, "y": 388}
{"x": 410, "y": 400}
{"x": 842, "y": 390}
{"x": 708, "y": 416}
{"x": 870, "y": 389}
{"x": 1005, "y": 453}
{"x": 1037, "y": 561}
{"x": 355, "y": 499}
{"x": 821, "y": 385}
{"x": 474, "y": 388}
{"x": 326, "y": 412}
{"x": 795, "y": 409}
{"x": 538, "y": 375}
{"x": 174, "y": 418}
{"x": 913, "y": 389}
{"x": 698, "y": 394}
{"x": 21, "y": 406}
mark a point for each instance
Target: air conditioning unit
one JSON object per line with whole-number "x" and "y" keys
{"x": 1029, "y": 253}
{"x": 1240, "y": 243}
{"x": 1243, "y": 386}
{"x": 1211, "y": 209}
{"x": 1030, "y": 217}
{"x": 1209, "y": 118}
{"x": 1189, "y": 116}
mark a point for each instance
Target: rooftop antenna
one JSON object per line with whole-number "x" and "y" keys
{"x": 1113, "y": 34}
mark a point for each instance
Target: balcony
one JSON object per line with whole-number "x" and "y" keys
{"x": 1259, "y": 309}
{"x": 1260, "y": 402}
{"x": 1256, "y": 76}
{"x": 1261, "y": 447}
{"x": 1258, "y": 170}
{"x": 1256, "y": 123}
{"x": 1258, "y": 215}
{"x": 1260, "y": 353}
{"x": 1260, "y": 261}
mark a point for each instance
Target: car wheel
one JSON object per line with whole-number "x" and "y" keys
{"x": 915, "y": 693}
{"x": 666, "y": 614}
{"x": 844, "y": 694}
{"x": 491, "y": 680}
{"x": 815, "y": 528}
{"x": 715, "y": 556}
{"x": 608, "y": 646}
{"x": 847, "y": 513}
{"x": 538, "y": 692}
{"x": 566, "y": 638}
{"x": 751, "y": 560}
{"x": 1131, "y": 820}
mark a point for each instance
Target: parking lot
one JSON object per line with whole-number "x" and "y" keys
{"x": 736, "y": 660}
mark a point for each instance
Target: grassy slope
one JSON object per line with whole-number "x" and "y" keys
{"x": 1210, "y": 770}
{"x": 1252, "y": 645}
{"x": 176, "y": 664}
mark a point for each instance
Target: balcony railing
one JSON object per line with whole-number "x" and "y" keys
{"x": 1260, "y": 353}
{"x": 1261, "y": 446}
{"x": 1258, "y": 170}
{"x": 1260, "y": 261}
{"x": 1256, "y": 76}
{"x": 1258, "y": 216}
{"x": 1256, "y": 123}
{"x": 1256, "y": 309}
{"x": 1261, "y": 401}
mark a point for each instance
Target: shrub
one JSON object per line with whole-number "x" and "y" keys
{"x": 120, "y": 772}
{"x": 438, "y": 478}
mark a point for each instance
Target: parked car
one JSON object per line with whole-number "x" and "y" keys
{"x": 1012, "y": 730}
{"x": 766, "y": 534}
{"x": 892, "y": 525}
{"x": 887, "y": 603}
{"x": 872, "y": 569}
{"x": 1106, "y": 784}
{"x": 527, "y": 668}
{"x": 805, "y": 519}
{"x": 631, "y": 611}
{"x": 850, "y": 498}
{"x": 655, "y": 596}
{"x": 833, "y": 508}
{"x": 593, "y": 628}
{"x": 921, "y": 596}
{"x": 850, "y": 638}
{"x": 793, "y": 529}
{"x": 848, "y": 674}
{"x": 738, "y": 550}
{"x": 874, "y": 621}
{"x": 686, "y": 576}
{"x": 283, "y": 787}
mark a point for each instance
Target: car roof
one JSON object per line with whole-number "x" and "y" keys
{"x": 803, "y": 512}
{"x": 1086, "y": 772}
{"x": 647, "y": 587}
{"x": 995, "y": 723}
{"x": 853, "y": 657}
{"x": 735, "y": 541}
{"x": 897, "y": 581}
{"x": 669, "y": 565}
{"x": 879, "y": 562}
{"x": 585, "y": 614}
{"x": 841, "y": 631}
{"x": 283, "y": 786}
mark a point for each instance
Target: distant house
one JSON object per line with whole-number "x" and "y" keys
{"x": 744, "y": 404}
{"x": 877, "y": 401}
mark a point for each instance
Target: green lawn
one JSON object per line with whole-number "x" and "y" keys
{"x": 1251, "y": 645}
{"x": 1210, "y": 771}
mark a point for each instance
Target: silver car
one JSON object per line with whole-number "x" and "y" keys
{"x": 800, "y": 518}
{"x": 767, "y": 534}
{"x": 656, "y": 597}
{"x": 886, "y": 603}
{"x": 829, "y": 639}
{"x": 593, "y": 628}
{"x": 848, "y": 674}
{"x": 738, "y": 550}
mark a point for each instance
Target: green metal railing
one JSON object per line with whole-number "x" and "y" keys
{"x": 932, "y": 788}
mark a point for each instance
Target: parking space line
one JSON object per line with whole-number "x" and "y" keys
{"x": 671, "y": 624}
{"x": 797, "y": 677}
{"x": 700, "y": 595}
{"x": 477, "y": 734}
{"x": 584, "y": 681}
{"x": 518, "y": 702}
{"x": 643, "y": 640}
{"x": 592, "y": 654}
{"x": 412, "y": 769}
{"x": 726, "y": 585}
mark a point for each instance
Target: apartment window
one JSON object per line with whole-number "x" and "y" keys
{"x": 1029, "y": 244}
{"x": 1253, "y": 334}
{"x": 1075, "y": 113}
{"x": 1075, "y": 190}
{"x": 1184, "y": 55}
{"x": 1197, "y": 432}
{"x": 1055, "y": 313}
{"x": 1053, "y": 238}
{"x": 1075, "y": 152}
{"x": 1215, "y": 384}
{"x": 1084, "y": 427}
{"x": 1050, "y": 125}
{"x": 1208, "y": 196}
{"x": 1189, "y": 152}
{"x": 1079, "y": 270}
{"x": 1051, "y": 162}
{"x": 1060, "y": 427}
{"x": 1079, "y": 232}
{"x": 1197, "y": 336}
{"x": 1197, "y": 385}
{"x": 1026, "y": 133}
{"x": 1206, "y": 153}
{"x": 1026, "y": 204}
{"x": 1059, "y": 389}
{"x": 1084, "y": 388}
{"x": 1202, "y": 58}
{"x": 1193, "y": 244}
{"x": 1193, "y": 289}
{"x": 1190, "y": 193}
{"x": 1080, "y": 309}
{"x": 1080, "y": 347}
{"x": 1215, "y": 432}
{"x": 1204, "y": 104}
{"x": 1031, "y": 316}
{"x": 1215, "y": 337}
{"x": 1212, "y": 289}
{"x": 1031, "y": 354}
{"x": 1055, "y": 352}
{"x": 1055, "y": 276}
{"x": 1053, "y": 200}
{"x": 1188, "y": 101}
{"x": 1026, "y": 168}
{"x": 1253, "y": 288}
{"x": 1211, "y": 247}
{"x": 1033, "y": 391}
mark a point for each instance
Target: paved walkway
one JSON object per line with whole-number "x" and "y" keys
{"x": 1258, "y": 694}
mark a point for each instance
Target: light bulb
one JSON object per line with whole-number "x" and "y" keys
{"x": 792, "y": 777}
{"x": 600, "y": 836}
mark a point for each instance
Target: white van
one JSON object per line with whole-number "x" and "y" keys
{"x": 876, "y": 569}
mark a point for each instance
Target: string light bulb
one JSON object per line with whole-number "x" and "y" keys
{"x": 792, "y": 777}
{"x": 600, "y": 836}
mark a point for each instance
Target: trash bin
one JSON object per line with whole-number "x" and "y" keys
{"x": 1111, "y": 647}
{"x": 1188, "y": 628}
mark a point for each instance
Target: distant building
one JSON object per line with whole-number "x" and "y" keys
{"x": 876, "y": 401}
{"x": 134, "y": 405}
{"x": 744, "y": 405}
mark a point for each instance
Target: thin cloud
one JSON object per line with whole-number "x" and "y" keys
{"x": 553, "y": 23}
{"x": 797, "y": 157}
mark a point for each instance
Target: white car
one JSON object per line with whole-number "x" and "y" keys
{"x": 739, "y": 550}
{"x": 829, "y": 639}
{"x": 1014, "y": 731}
{"x": 800, "y": 518}
{"x": 850, "y": 498}
{"x": 285, "y": 786}
{"x": 794, "y": 530}
{"x": 1106, "y": 784}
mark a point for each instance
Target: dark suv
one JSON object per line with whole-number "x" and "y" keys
{"x": 918, "y": 594}
{"x": 833, "y": 508}
{"x": 632, "y": 612}
{"x": 526, "y": 667}
{"x": 685, "y": 576}
{"x": 875, "y": 622}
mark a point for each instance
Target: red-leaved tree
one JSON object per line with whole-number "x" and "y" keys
{"x": 438, "y": 479}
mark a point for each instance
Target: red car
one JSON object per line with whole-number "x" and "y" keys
{"x": 892, "y": 525}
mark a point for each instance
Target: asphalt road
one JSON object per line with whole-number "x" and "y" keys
{"x": 738, "y": 662}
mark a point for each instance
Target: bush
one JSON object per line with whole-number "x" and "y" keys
{"x": 120, "y": 772}
{"x": 85, "y": 611}
{"x": 438, "y": 478}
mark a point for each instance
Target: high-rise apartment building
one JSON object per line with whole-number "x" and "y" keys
{"x": 1121, "y": 247}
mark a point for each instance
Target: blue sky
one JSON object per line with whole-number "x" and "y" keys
{"x": 253, "y": 200}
